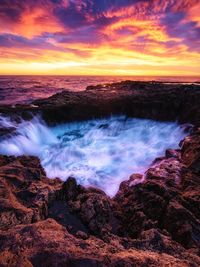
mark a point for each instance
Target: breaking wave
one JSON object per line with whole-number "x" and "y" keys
{"x": 100, "y": 153}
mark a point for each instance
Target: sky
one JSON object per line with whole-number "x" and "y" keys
{"x": 102, "y": 37}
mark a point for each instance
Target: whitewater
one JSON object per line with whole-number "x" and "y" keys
{"x": 100, "y": 153}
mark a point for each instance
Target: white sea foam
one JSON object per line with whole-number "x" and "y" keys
{"x": 99, "y": 153}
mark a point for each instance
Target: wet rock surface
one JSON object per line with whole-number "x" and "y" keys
{"x": 25, "y": 191}
{"x": 152, "y": 100}
{"x": 154, "y": 219}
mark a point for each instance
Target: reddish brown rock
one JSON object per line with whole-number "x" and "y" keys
{"x": 167, "y": 199}
{"x": 91, "y": 205}
{"x": 24, "y": 191}
{"x": 191, "y": 151}
{"x": 134, "y": 213}
{"x": 49, "y": 244}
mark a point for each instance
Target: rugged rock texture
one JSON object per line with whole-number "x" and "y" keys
{"x": 153, "y": 223}
{"x": 25, "y": 191}
{"x": 153, "y": 100}
{"x": 154, "y": 220}
{"x": 168, "y": 199}
{"x": 47, "y": 243}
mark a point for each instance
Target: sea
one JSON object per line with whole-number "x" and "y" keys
{"x": 25, "y": 89}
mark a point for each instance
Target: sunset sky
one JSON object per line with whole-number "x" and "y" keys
{"x": 102, "y": 37}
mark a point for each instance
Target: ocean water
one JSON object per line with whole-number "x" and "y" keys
{"x": 100, "y": 153}
{"x": 24, "y": 89}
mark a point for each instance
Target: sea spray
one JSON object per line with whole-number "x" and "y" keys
{"x": 100, "y": 153}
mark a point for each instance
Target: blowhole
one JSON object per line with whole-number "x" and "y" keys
{"x": 100, "y": 153}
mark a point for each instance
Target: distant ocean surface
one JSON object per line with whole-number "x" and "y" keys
{"x": 24, "y": 89}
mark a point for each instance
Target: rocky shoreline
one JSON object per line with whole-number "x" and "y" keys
{"x": 150, "y": 100}
{"x": 153, "y": 223}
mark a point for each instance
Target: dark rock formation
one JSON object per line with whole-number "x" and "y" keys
{"x": 47, "y": 243}
{"x": 153, "y": 100}
{"x": 154, "y": 220}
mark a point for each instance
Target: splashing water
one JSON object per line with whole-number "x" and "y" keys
{"x": 99, "y": 153}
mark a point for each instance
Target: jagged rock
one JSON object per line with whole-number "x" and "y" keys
{"x": 153, "y": 100}
{"x": 50, "y": 244}
{"x": 91, "y": 205}
{"x": 168, "y": 199}
{"x": 24, "y": 191}
{"x": 154, "y": 220}
{"x": 191, "y": 151}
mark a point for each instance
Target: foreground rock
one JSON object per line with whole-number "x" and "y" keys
{"x": 153, "y": 223}
{"x": 50, "y": 244}
{"x": 25, "y": 191}
{"x": 167, "y": 200}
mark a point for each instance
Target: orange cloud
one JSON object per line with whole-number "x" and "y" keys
{"x": 92, "y": 37}
{"x": 32, "y": 22}
{"x": 36, "y": 22}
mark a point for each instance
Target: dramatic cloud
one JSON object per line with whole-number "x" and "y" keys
{"x": 133, "y": 37}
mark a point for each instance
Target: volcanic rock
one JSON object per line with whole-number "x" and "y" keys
{"x": 24, "y": 191}
{"x": 49, "y": 243}
{"x": 152, "y": 100}
{"x": 167, "y": 199}
{"x": 154, "y": 219}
